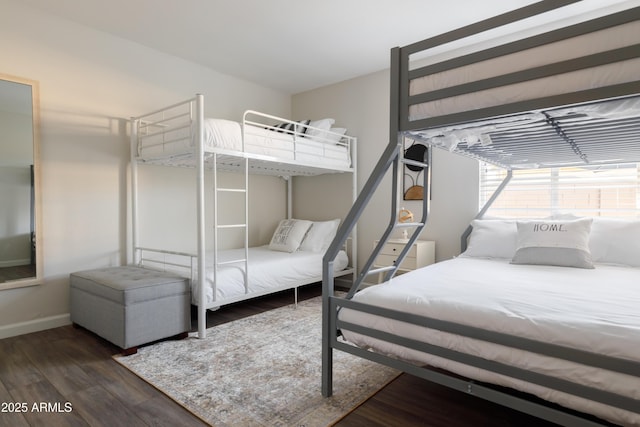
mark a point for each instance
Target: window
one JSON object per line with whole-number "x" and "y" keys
{"x": 612, "y": 190}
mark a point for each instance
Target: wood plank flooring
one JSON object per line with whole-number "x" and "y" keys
{"x": 73, "y": 367}
{"x": 8, "y": 274}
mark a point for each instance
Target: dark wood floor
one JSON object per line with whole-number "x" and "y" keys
{"x": 8, "y": 274}
{"x": 71, "y": 366}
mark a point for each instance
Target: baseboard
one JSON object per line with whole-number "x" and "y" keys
{"x": 35, "y": 325}
{"x": 15, "y": 262}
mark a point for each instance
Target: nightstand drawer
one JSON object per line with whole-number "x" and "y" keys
{"x": 394, "y": 249}
{"x": 409, "y": 263}
{"x": 421, "y": 253}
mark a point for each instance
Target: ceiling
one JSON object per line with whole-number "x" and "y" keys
{"x": 288, "y": 45}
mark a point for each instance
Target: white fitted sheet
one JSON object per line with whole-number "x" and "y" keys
{"x": 594, "y": 310}
{"x": 228, "y": 135}
{"x": 268, "y": 270}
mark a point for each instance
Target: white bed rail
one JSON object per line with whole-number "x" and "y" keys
{"x": 168, "y": 137}
{"x": 185, "y": 263}
{"x": 182, "y": 263}
{"x": 286, "y": 130}
{"x": 169, "y": 126}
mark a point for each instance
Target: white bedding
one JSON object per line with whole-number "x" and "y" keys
{"x": 228, "y": 135}
{"x": 590, "y": 309}
{"x": 268, "y": 270}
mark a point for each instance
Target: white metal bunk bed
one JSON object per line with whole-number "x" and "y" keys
{"x": 565, "y": 97}
{"x": 180, "y": 136}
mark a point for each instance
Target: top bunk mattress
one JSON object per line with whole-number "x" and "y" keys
{"x": 621, "y": 67}
{"x": 567, "y": 97}
{"x": 330, "y": 150}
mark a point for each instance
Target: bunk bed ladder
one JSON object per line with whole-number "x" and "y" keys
{"x": 392, "y": 158}
{"x": 244, "y": 225}
{"x": 390, "y": 271}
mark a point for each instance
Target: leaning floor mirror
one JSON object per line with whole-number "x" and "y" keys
{"x": 20, "y": 230}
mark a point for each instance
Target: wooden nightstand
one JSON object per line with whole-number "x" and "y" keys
{"x": 421, "y": 254}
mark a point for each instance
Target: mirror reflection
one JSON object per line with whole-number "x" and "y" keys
{"x": 17, "y": 182}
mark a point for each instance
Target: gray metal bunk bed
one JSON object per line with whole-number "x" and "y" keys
{"x": 565, "y": 107}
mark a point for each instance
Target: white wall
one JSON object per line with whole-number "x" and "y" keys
{"x": 90, "y": 84}
{"x": 362, "y": 106}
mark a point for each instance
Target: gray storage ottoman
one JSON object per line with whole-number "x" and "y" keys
{"x": 130, "y": 306}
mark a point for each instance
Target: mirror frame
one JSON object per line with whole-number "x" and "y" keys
{"x": 35, "y": 107}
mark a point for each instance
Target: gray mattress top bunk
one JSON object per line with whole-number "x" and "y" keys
{"x": 566, "y": 97}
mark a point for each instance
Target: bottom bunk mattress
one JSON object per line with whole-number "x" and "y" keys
{"x": 594, "y": 310}
{"x": 269, "y": 271}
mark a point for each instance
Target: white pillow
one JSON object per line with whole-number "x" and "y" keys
{"x": 320, "y": 236}
{"x": 492, "y": 238}
{"x": 335, "y": 135}
{"x": 317, "y": 128}
{"x": 615, "y": 241}
{"x": 289, "y": 234}
{"x": 557, "y": 242}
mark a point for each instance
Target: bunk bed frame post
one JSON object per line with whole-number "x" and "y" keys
{"x": 289, "y": 196}
{"x": 329, "y": 309}
{"x": 328, "y": 325}
{"x": 246, "y": 224}
{"x": 328, "y": 281}
{"x": 201, "y": 232}
{"x": 354, "y": 231}
{"x": 345, "y": 229}
{"x": 134, "y": 190}
{"x": 214, "y": 260}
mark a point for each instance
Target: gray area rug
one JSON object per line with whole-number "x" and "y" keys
{"x": 264, "y": 370}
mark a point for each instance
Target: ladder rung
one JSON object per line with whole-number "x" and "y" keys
{"x": 415, "y": 163}
{"x": 232, "y": 226}
{"x": 409, "y": 224}
{"x": 232, "y": 190}
{"x": 232, "y": 261}
{"x": 380, "y": 270}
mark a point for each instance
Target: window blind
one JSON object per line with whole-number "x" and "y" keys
{"x": 612, "y": 190}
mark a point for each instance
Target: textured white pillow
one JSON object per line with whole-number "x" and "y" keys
{"x": 289, "y": 234}
{"x": 557, "y": 242}
{"x": 320, "y": 236}
{"x": 336, "y": 134}
{"x": 615, "y": 241}
{"x": 317, "y": 128}
{"x": 492, "y": 238}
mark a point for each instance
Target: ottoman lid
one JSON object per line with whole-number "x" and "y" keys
{"x": 129, "y": 284}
